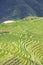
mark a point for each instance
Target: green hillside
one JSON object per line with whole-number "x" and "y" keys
{"x": 21, "y": 42}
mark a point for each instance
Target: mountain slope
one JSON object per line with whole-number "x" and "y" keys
{"x": 13, "y": 9}
{"x": 21, "y": 42}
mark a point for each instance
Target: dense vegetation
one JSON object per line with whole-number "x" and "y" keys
{"x": 21, "y": 42}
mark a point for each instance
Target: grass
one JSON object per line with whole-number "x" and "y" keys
{"x": 24, "y": 41}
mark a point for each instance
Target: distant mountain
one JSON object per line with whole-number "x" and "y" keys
{"x": 14, "y": 9}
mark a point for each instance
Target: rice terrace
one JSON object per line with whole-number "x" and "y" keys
{"x": 21, "y": 42}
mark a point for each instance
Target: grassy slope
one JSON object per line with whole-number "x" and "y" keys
{"x": 21, "y": 39}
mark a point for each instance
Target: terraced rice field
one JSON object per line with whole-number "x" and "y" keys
{"x": 21, "y": 42}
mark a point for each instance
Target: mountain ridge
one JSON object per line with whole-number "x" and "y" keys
{"x": 15, "y": 9}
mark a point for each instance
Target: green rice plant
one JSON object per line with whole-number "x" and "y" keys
{"x": 24, "y": 42}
